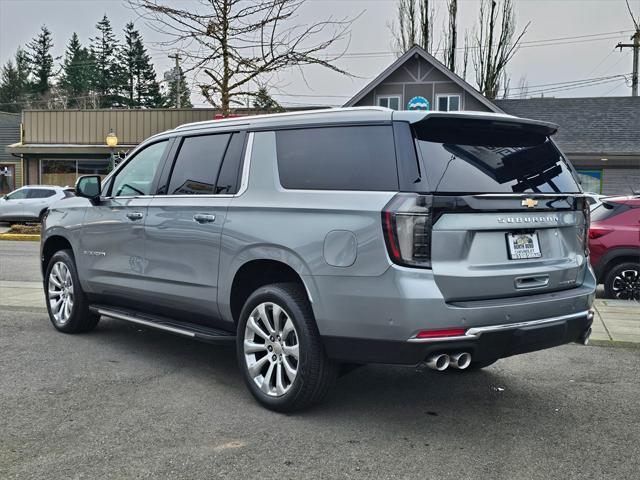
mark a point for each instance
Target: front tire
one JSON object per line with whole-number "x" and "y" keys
{"x": 280, "y": 351}
{"x": 66, "y": 302}
{"x": 622, "y": 282}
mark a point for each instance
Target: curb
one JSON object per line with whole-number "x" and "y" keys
{"x": 20, "y": 237}
{"x": 613, "y": 343}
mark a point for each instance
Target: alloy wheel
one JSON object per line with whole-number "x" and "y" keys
{"x": 626, "y": 285}
{"x": 271, "y": 349}
{"x": 60, "y": 293}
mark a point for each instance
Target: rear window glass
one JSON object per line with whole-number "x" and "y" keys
{"x": 489, "y": 159}
{"x": 338, "y": 158}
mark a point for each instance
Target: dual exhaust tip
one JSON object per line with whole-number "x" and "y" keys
{"x": 442, "y": 361}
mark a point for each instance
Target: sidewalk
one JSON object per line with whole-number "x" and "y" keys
{"x": 615, "y": 320}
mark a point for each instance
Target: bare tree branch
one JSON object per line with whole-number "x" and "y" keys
{"x": 236, "y": 44}
{"x": 494, "y": 44}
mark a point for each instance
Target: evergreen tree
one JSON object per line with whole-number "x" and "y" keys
{"x": 264, "y": 101}
{"x": 107, "y": 77}
{"x": 185, "y": 93}
{"x": 10, "y": 89}
{"x": 41, "y": 62}
{"x": 14, "y": 84}
{"x": 140, "y": 88}
{"x": 78, "y": 69}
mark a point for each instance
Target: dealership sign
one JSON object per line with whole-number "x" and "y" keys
{"x": 418, "y": 103}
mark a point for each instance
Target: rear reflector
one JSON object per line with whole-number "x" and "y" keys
{"x": 454, "y": 332}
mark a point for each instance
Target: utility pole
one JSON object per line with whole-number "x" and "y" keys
{"x": 177, "y": 58}
{"x": 636, "y": 53}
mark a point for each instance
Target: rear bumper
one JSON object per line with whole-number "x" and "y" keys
{"x": 483, "y": 343}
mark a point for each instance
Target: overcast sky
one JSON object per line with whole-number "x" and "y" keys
{"x": 543, "y": 60}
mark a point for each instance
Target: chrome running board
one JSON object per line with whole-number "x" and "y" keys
{"x": 185, "y": 329}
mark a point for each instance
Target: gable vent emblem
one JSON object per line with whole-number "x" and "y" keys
{"x": 529, "y": 202}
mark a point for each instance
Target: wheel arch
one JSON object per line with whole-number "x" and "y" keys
{"x": 51, "y": 245}
{"x": 257, "y": 268}
{"x": 613, "y": 257}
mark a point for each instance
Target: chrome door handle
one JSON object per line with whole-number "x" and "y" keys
{"x": 134, "y": 216}
{"x": 204, "y": 218}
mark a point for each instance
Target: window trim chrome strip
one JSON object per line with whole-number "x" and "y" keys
{"x": 474, "y": 332}
{"x": 244, "y": 180}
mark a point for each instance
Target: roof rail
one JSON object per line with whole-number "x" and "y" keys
{"x": 243, "y": 119}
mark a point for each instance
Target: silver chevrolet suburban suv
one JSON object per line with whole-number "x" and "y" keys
{"x": 326, "y": 239}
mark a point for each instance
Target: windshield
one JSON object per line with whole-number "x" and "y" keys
{"x": 488, "y": 159}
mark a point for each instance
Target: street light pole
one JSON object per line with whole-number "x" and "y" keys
{"x": 112, "y": 143}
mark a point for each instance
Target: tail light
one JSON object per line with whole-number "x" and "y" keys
{"x": 586, "y": 211}
{"x": 598, "y": 232}
{"x": 407, "y": 224}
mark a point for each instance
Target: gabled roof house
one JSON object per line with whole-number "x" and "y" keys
{"x": 419, "y": 74}
{"x": 600, "y": 136}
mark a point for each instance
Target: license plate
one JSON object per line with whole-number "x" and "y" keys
{"x": 523, "y": 246}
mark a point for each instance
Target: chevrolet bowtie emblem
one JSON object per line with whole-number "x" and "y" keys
{"x": 529, "y": 202}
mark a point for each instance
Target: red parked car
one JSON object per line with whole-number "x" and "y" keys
{"x": 614, "y": 243}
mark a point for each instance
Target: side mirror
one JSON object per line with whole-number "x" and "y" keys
{"x": 89, "y": 186}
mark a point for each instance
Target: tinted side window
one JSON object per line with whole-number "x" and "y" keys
{"x": 196, "y": 167}
{"x": 136, "y": 177}
{"x": 337, "y": 158}
{"x": 229, "y": 178}
{"x": 41, "y": 193}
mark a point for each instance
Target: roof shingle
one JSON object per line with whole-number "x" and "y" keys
{"x": 599, "y": 125}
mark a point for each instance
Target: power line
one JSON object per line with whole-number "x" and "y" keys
{"x": 618, "y": 85}
{"x": 574, "y": 87}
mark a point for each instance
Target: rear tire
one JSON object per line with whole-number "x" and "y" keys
{"x": 280, "y": 351}
{"x": 66, "y": 302}
{"x": 622, "y": 282}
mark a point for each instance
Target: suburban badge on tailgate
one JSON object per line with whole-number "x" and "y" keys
{"x": 548, "y": 219}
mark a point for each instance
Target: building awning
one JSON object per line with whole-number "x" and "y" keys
{"x": 63, "y": 149}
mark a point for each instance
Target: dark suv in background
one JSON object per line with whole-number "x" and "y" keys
{"x": 614, "y": 243}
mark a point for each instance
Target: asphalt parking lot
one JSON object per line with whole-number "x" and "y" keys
{"x": 19, "y": 261}
{"x": 125, "y": 403}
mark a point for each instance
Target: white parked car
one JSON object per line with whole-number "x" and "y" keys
{"x": 29, "y": 203}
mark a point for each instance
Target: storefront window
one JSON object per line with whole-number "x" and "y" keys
{"x": 58, "y": 172}
{"x": 7, "y": 178}
{"x": 94, "y": 167}
{"x": 591, "y": 180}
{"x": 65, "y": 172}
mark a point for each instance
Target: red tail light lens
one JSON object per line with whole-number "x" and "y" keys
{"x": 586, "y": 211}
{"x": 598, "y": 232}
{"x": 454, "y": 332}
{"x": 407, "y": 224}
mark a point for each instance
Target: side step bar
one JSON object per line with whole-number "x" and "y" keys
{"x": 191, "y": 330}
